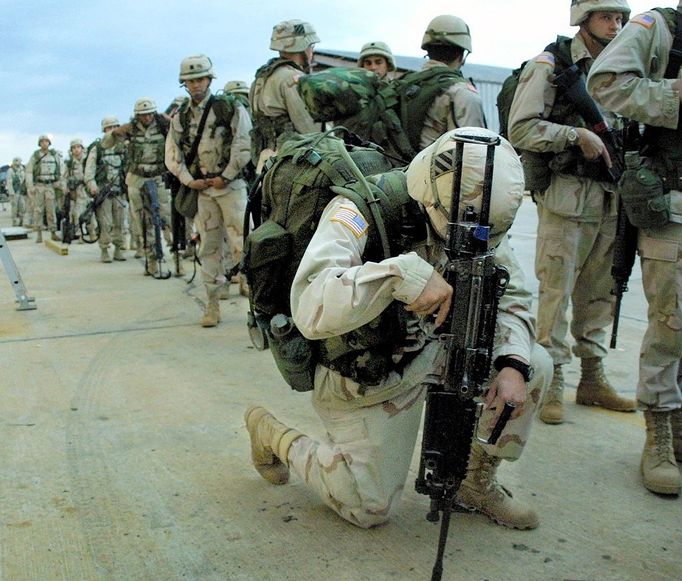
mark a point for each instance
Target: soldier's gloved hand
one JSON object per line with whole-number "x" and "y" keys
{"x": 437, "y": 295}
{"x": 509, "y": 387}
{"x": 592, "y": 146}
{"x": 199, "y": 184}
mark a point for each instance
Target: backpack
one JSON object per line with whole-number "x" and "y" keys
{"x": 561, "y": 49}
{"x": 286, "y": 206}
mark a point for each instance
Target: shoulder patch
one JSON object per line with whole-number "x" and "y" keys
{"x": 645, "y": 20}
{"x": 351, "y": 219}
{"x": 545, "y": 58}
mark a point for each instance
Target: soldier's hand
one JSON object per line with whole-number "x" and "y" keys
{"x": 437, "y": 295}
{"x": 93, "y": 190}
{"x": 122, "y": 130}
{"x": 199, "y": 184}
{"x": 217, "y": 182}
{"x": 508, "y": 387}
{"x": 592, "y": 146}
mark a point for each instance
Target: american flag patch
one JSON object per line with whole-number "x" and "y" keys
{"x": 644, "y": 19}
{"x": 351, "y": 219}
{"x": 546, "y": 58}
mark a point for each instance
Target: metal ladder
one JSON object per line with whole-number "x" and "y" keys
{"x": 26, "y": 302}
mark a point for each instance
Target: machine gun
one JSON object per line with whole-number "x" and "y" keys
{"x": 572, "y": 83}
{"x": 151, "y": 205}
{"x": 453, "y": 403}
{"x": 86, "y": 216}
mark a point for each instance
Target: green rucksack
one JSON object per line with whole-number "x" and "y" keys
{"x": 286, "y": 207}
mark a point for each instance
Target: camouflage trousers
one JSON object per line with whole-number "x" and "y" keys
{"x": 220, "y": 215}
{"x": 79, "y": 204}
{"x": 573, "y": 261}
{"x": 360, "y": 468}
{"x": 110, "y": 218}
{"x": 138, "y": 213}
{"x": 660, "y": 358}
{"x": 18, "y": 208}
{"x": 44, "y": 199}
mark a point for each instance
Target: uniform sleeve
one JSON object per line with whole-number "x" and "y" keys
{"x": 91, "y": 167}
{"x": 29, "y": 173}
{"x": 174, "y": 158}
{"x": 240, "y": 149}
{"x": 621, "y": 77}
{"x": 334, "y": 292}
{"x": 533, "y": 101}
{"x": 9, "y": 181}
{"x": 466, "y": 106}
{"x": 515, "y": 323}
{"x": 303, "y": 122}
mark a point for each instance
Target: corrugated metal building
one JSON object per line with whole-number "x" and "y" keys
{"x": 487, "y": 79}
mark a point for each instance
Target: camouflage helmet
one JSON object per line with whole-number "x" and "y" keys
{"x": 109, "y": 122}
{"x": 144, "y": 105}
{"x": 430, "y": 175}
{"x": 236, "y": 87}
{"x": 16, "y": 161}
{"x": 75, "y": 142}
{"x": 377, "y": 48}
{"x": 196, "y": 66}
{"x": 44, "y": 136}
{"x": 581, "y": 9}
{"x": 447, "y": 29}
{"x": 293, "y": 36}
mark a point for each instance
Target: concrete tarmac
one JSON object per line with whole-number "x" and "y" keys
{"x": 124, "y": 454}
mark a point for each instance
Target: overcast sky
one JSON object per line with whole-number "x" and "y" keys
{"x": 65, "y": 65}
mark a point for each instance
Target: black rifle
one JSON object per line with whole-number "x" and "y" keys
{"x": 67, "y": 228}
{"x": 178, "y": 226}
{"x": 86, "y": 216}
{"x": 572, "y": 82}
{"x": 152, "y": 206}
{"x": 453, "y": 402}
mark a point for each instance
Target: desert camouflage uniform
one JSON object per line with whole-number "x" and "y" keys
{"x": 459, "y": 106}
{"x": 145, "y": 162}
{"x": 16, "y": 187}
{"x": 43, "y": 178}
{"x": 359, "y": 469}
{"x": 219, "y": 211}
{"x": 277, "y": 97}
{"x": 628, "y": 78}
{"x": 74, "y": 178}
{"x": 577, "y": 223}
{"x": 106, "y": 173}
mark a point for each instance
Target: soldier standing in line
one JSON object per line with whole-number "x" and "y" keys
{"x": 105, "y": 172}
{"x": 146, "y": 137}
{"x": 73, "y": 177}
{"x": 577, "y": 211}
{"x": 43, "y": 175}
{"x": 447, "y": 41}
{"x": 276, "y": 106}
{"x": 16, "y": 187}
{"x": 240, "y": 90}
{"x": 377, "y": 57}
{"x": 223, "y": 149}
{"x": 359, "y": 469}
{"x": 639, "y": 76}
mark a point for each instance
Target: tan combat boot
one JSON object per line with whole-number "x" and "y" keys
{"x": 39, "y": 236}
{"x": 118, "y": 254}
{"x": 105, "y": 255}
{"x": 676, "y": 425}
{"x": 552, "y": 410}
{"x": 152, "y": 267}
{"x": 224, "y": 292}
{"x": 212, "y": 313}
{"x": 658, "y": 466}
{"x": 595, "y": 389}
{"x": 243, "y": 286}
{"x": 480, "y": 491}
{"x": 270, "y": 443}
{"x": 54, "y": 236}
{"x": 139, "y": 248}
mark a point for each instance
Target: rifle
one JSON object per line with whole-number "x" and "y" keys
{"x": 151, "y": 204}
{"x": 178, "y": 230}
{"x": 67, "y": 228}
{"x": 453, "y": 403}
{"x": 86, "y": 216}
{"x": 572, "y": 82}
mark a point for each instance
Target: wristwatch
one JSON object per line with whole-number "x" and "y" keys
{"x": 573, "y": 136}
{"x": 523, "y": 368}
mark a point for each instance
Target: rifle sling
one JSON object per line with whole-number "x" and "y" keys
{"x": 189, "y": 160}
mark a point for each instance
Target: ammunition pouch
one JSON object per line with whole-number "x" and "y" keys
{"x": 187, "y": 201}
{"x": 536, "y": 172}
{"x": 295, "y": 358}
{"x": 645, "y": 197}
